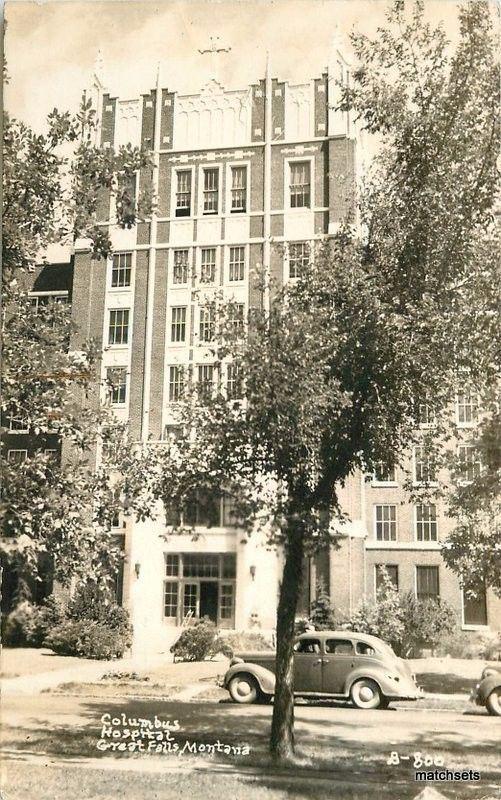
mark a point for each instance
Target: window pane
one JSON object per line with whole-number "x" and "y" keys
{"x": 170, "y": 598}
{"x": 171, "y": 564}
{"x": 227, "y": 601}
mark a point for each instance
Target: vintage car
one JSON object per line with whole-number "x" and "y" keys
{"x": 488, "y": 692}
{"x": 337, "y": 664}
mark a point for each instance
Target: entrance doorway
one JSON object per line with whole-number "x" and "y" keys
{"x": 209, "y": 599}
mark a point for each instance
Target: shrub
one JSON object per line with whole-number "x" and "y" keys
{"x": 196, "y": 643}
{"x": 322, "y": 614}
{"x": 240, "y": 642}
{"x": 383, "y": 619}
{"x": 89, "y": 639}
{"x": 92, "y": 602}
{"x": 19, "y": 626}
{"x": 426, "y": 623}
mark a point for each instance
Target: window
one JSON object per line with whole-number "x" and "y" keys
{"x": 41, "y": 299}
{"x": 51, "y": 453}
{"x": 237, "y": 263}
{"x": 238, "y": 190}
{"x": 183, "y": 193}
{"x": 180, "y": 271}
{"x": 178, "y": 324}
{"x": 171, "y": 565}
{"x": 172, "y": 432}
{"x": 339, "y": 647}
{"x": 364, "y": 649}
{"x": 391, "y": 571}
{"x": 176, "y": 383}
{"x": 201, "y": 565}
{"x": 119, "y": 326}
{"x": 190, "y": 599}
{"x": 475, "y": 607}
{"x": 121, "y": 270}
{"x": 208, "y": 267}
{"x": 117, "y": 384}
{"x": 426, "y": 415}
{"x": 308, "y": 646}
{"x": 229, "y": 569}
{"x": 386, "y": 523}
{"x": 211, "y": 191}
{"x": 427, "y": 586}
{"x": 426, "y": 522}
{"x": 233, "y": 382}
{"x": 470, "y": 465}
{"x": 227, "y": 594}
{"x": 17, "y": 456}
{"x": 18, "y": 425}
{"x": 170, "y": 599}
{"x": 299, "y": 258}
{"x": 236, "y": 318}
{"x": 300, "y": 184}
{"x": 205, "y": 381}
{"x": 207, "y": 324}
{"x": 424, "y": 467}
{"x": 467, "y": 408}
{"x": 384, "y": 474}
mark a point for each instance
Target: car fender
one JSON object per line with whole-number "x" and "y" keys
{"x": 264, "y": 677}
{"x": 388, "y": 687}
{"x": 486, "y": 686}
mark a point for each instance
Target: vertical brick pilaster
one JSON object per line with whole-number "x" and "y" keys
{"x": 258, "y": 106}
{"x": 158, "y": 344}
{"x": 278, "y": 110}
{"x": 138, "y": 342}
{"x": 321, "y": 105}
{"x": 341, "y": 179}
{"x": 167, "y": 122}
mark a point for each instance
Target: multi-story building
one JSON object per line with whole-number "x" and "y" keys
{"x": 245, "y": 180}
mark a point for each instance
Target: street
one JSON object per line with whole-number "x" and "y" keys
{"x": 340, "y": 746}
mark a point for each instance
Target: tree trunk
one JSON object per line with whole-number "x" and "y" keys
{"x": 282, "y": 726}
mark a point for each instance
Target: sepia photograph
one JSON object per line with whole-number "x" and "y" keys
{"x": 250, "y": 400}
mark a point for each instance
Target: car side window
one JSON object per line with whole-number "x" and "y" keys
{"x": 364, "y": 649}
{"x": 308, "y": 646}
{"x": 339, "y": 647}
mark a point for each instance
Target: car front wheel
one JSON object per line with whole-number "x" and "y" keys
{"x": 243, "y": 689}
{"x": 366, "y": 694}
{"x": 493, "y": 702}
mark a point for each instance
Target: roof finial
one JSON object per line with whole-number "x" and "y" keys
{"x": 99, "y": 69}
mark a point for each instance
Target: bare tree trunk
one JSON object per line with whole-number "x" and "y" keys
{"x": 282, "y": 726}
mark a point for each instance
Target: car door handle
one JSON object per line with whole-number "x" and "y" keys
{"x": 319, "y": 661}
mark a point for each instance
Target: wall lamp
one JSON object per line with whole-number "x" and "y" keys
{"x": 252, "y": 570}
{"x": 137, "y": 568}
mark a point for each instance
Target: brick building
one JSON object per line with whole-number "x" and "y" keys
{"x": 244, "y": 178}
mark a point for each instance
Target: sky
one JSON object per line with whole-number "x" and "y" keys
{"x": 51, "y": 47}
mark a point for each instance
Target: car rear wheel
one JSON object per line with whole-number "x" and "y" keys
{"x": 493, "y": 702}
{"x": 243, "y": 688}
{"x": 365, "y": 693}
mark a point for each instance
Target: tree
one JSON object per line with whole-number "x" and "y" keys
{"x": 335, "y": 365}
{"x": 53, "y": 185}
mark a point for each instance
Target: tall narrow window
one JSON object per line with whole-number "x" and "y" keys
{"x": 299, "y": 258}
{"x": 121, "y": 270}
{"x": 238, "y": 190}
{"x": 117, "y": 385}
{"x": 386, "y": 523}
{"x": 427, "y": 584}
{"x": 183, "y": 193}
{"x": 206, "y": 328}
{"x": 178, "y": 324}
{"x": 180, "y": 272}
{"x": 467, "y": 408}
{"x": 208, "y": 265}
{"x": 170, "y": 599}
{"x": 236, "y": 318}
{"x": 426, "y": 522}
{"x": 300, "y": 184}
{"x": 424, "y": 466}
{"x": 211, "y": 191}
{"x": 17, "y": 456}
{"x": 176, "y": 383}
{"x": 475, "y": 606}
{"x": 425, "y": 415}
{"x": 119, "y": 326}
{"x": 237, "y": 263}
{"x": 470, "y": 465}
{"x": 205, "y": 381}
{"x": 233, "y": 382}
